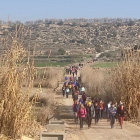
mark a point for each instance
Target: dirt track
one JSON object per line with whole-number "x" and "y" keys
{"x": 101, "y": 131}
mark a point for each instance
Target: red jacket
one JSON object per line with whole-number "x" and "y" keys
{"x": 102, "y": 105}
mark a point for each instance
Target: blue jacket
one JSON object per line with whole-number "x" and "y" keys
{"x": 75, "y": 107}
{"x": 112, "y": 111}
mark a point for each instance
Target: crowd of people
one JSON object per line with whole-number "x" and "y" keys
{"x": 85, "y": 110}
{"x": 72, "y": 70}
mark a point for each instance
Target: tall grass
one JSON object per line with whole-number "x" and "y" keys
{"x": 48, "y": 77}
{"x": 96, "y": 81}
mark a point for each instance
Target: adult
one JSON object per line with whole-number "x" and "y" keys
{"x": 121, "y": 112}
{"x": 76, "y": 71}
{"x": 84, "y": 97}
{"x": 63, "y": 91}
{"x": 82, "y": 89}
{"x": 97, "y": 112}
{"x": 71, "y": 78}
{"x": 107, "y": 110}
{"x": 102, "y": 107}
{"x": 73, "y": 91}
{"x": 90, "y": 113}
{"x": 70, "y": 86}
{"x": 75, "y": 110}
{"x": 112, "y": 111}
{"x": 75, "y": 97}
{"x": 70, "y": 70}
{"x": 67, "y": 92}
{"x": 73, "y": 71}
{"x": 82, "y": 114}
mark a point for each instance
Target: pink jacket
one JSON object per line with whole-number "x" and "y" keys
{"x": 82, "y": 113}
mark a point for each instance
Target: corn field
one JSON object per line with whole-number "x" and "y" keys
{"x": 126, "y": 82}
{"x": 15, "y": 108}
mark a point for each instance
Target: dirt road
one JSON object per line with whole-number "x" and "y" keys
{"x": 101, "y": 131}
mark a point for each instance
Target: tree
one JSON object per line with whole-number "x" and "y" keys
{"x": 74, "y": 24}
{"x": 60, "y": 23}
{"x": 131, "y": 23}
{"x": 61, "y": 51}
{"x": 82, "y": 41}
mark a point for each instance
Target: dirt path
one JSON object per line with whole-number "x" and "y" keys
{"x": 101, "y": 131}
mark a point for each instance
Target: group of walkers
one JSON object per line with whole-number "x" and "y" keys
{"x": 72, "y": 70}
{"x": 71, "y": 84}
{"x": 86, "y": 111}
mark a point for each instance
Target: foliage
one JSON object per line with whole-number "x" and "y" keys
{"x": 82, "y": 41}
{"x": 61, "y": 51}
{"x": 60, "y": 23}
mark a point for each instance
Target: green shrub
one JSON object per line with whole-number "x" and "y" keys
{"x": 61, "y": 51}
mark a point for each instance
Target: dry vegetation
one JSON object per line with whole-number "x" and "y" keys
{"x": 127, "y": 82}
{"x": 95, "y": 81}
{"x": 48, "y": 77}
{"x": 120, "y": 83}
{"x": 18, "y": 113}
{"x": 44, "y": 105}
{"x": 15, "y": 108}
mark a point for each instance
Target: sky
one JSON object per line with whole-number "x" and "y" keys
{"x": 28, "y": 10}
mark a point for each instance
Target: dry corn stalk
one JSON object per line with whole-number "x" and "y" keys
{"x": 127, "y": 82}
{"x": 15, "y": 108}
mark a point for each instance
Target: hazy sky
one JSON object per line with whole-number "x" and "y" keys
{"x": 24, "y": 10}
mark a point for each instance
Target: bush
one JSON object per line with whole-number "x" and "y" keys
{"x": 106, "y": 54}
{"x": 73, "y": 41}
{"x": 131, "y": 23}
{"x": 61, "y": 51}
{"x": 98, "y": 48}
{"x": 60, "y": 23}
{"x": 82, "y": 41}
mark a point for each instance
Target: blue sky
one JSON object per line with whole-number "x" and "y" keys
{"x": 24, "y": 10}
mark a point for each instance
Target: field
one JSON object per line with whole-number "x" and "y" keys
{"x": 106, "y": 64}
{"x": 43, "y": 61}
{"x": 54, "y": 64}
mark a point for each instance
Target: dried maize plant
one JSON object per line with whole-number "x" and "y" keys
{"x": 15, "y": 108}
{"x": 126, "y": 81}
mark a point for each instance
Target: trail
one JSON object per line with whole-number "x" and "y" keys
{"x": 101, "y": 131}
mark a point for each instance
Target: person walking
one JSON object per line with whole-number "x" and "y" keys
{"x": 97, "y": 112}
{"x": 73, "y": 71}
{"x": 82, "y": 90}
{"x": 102, "y": 107}
{"x": 107, "y": 110}
{"x": 67, "y": 92}
{"x": 121, "y": 112}
{"x": 82, "y": 114}
{"x": 75, "y": 110}
{"x": 90, "y": 113}
{"x": 70, "y": 87}
{"x": 63, "y": 91}
{"x": 84, "y": 97}
{"x": 112, "y": 111}
{"x": 75, "y": 96}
